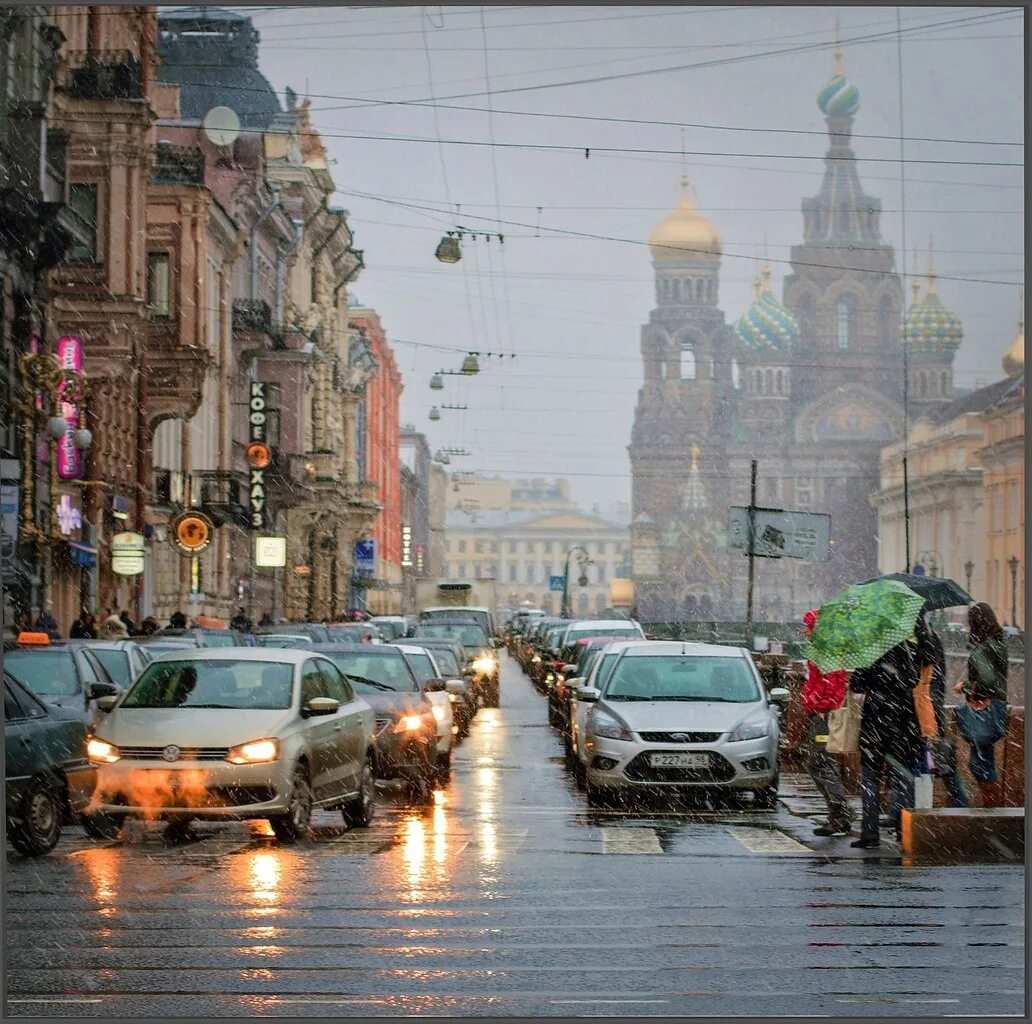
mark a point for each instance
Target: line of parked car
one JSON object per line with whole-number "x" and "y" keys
{"x": 201, "y": 724}
{"x": 642, "y": 715}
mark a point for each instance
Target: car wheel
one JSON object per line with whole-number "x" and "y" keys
{"x": 359, "y": 812}
{"x": 39, "y": 826}
{"x": 421, "y": 790}
{"x": 767, "y": 798}
{"x": 579, "y": 775}
{"x": 491, "y": 696}
{"x": 102, "y": 826}
{"x": 443, "y": 768}
{"x": 290, "y": 826}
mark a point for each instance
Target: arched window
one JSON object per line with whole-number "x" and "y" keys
{"x": 700, "y": 290}
{"x": 688, "y": 361}
{"x": 676, "y": 286}
{"x": 781, "y": 382}
{"x": 759, "y": 382}
{"x": 713, "y": 290}
{"x": 735, "y": 379}
{"x": 807, "y": 319}
{"x": 945, "y": 384}
{"x": 843, "y": 226}
{"x": 844, "y": 322}
{"x": 888, "y": 319}
{"x": 922, "y": 384}
{"x": 705, "y": 606}
{"x": 769, "y": 382}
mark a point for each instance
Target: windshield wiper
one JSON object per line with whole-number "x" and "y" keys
{"x": 627, "y": 696}
{"x": 373, "y": 682}
{"x": 225, "y": 707}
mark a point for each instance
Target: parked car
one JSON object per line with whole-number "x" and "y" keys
{"x": 123, "y": 660}
{"x": 451, "y": 660}
{"x": 204, "y": 637}
{"x": 480, "y": 653}
{"x": 675, "y": 715}
{"x": 406, "y": 728}
{"x": 392, "y": 627}
{"x": 428, "y": 673}
{"x": 354, "y": 632}
{"x": 601, "y": 627}
{"x": 48, "y": 777}
{"x": 63, "y": 674}
{"x": 237, "y": 734}
{"x": 573, "y": 662}
{"x": 314, "y": 631}
{"x": 284, "y": 641}
{"x": 163, "y": 644}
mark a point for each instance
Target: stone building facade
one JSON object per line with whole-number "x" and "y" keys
{"x": 810, "y": 386}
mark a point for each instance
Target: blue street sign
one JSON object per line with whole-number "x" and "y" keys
{"x": 919, "y": 569}
{"x": 365, "y": 557}
{"x": 556, "y": 583}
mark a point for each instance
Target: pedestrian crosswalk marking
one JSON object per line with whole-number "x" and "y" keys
{"x": 757, "y": 840}
{"x": 630, "y": 840}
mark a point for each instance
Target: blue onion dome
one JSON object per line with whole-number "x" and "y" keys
{"x": 930, "y": 326}
{"x": 838, "y": 98}
{"x": 767, "y": 326}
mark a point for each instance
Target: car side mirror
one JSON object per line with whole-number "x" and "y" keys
{"x": 94, "y": 691}
{"x": 588, "y": 694}
{"x": 105, "y": 704}
{"x": 456, "y": 686}
{"x": 779, "y": 695}
{"x": 567, "y": 669}
{"x": 320, "y": 706}
{"x": 575, "y": 683}
{"x": 435, "y": 686}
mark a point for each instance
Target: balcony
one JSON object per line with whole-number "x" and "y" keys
{"x": 177, "y": 165}
{"x": 364, "y": 492}
{"x": 252, "y": 315}
{"x": 101, "y": 75}
{"x": 222, "y": 494}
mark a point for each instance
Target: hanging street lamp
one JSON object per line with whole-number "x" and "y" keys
{"x": 436, "y": 382}
{"x": 470, "y": 365}
{"x": 448, "y": 248}
{"x": 435, "y": 414}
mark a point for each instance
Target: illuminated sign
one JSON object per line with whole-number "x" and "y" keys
{"x": 69, "y": 458}
{"x": 406, "y": 546}
{"x": 259, "y": 455}
{"x": 127, "y": 554}
{"x": 270, "y": 552}
{"x": 191, "y": 532}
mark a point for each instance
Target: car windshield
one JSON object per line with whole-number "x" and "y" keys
{"x": 468, "y": 634}
{"x": 605, "y": 669}
{"x": 213, "y": 683}
{"x": 389, "y": 629}
{"x": 157, "y": 647}
{"x": 116, "y": 663}
{"x": 576, "y": 634}
{"x": 374, "y": 673}
{"x": 682, "y": 677}
{"x": 446, "y": 661}
{"x": 283, "y": 641}
{"x": 355, "y": 634}
{"x": 47, "y": 673}
{"x": 218, "y": 639}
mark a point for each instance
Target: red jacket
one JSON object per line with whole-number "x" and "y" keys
{"x": 823, "y": 693}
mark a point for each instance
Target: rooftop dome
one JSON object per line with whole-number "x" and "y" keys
{"x": 838, "y": 98}
{"x": 685, "y": 234}
{"x": 1014, "y": 357}
{"x": 929, "y": 326}
{"x": 767, "y": 326}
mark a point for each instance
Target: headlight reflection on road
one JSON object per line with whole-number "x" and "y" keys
{"x": 440, "y": 829}
{"x": 101, "y": 866}
{"x": 413, "y": 853}
{"x": 265, "y": 876}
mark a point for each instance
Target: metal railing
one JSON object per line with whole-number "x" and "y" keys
{"x": 101, "y": 74}
{"x": 177, "y": 165}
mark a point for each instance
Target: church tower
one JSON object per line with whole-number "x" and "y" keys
{"x": 676, "y": 457}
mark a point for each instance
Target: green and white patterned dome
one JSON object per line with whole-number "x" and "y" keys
{"x": 766, "y": 326}
{"x": 930, "y": 326}
{"x": 839, "y": 98}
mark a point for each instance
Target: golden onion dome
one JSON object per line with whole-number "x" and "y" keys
{"x": 1014, "y": 357}
{"x": 685, "y": 234}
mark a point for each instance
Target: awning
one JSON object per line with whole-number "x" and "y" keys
{"x": 82, "y": 554}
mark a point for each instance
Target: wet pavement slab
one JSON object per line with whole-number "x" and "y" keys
{"x": 511, "y": 897}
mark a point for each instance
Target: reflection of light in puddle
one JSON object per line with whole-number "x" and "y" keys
{"x": 486, "y": 778}
{"x": 485, "y": 760}
{"x": 265, "y": 875}
{"x": 440, "y": 831}
{"x": 488, "y": 843}
{"x": 263, "y": 932}
{"x": 262, "y": 828}
{"x": 102, "y": 868}
{"x": 490, "y": 717}
{"x": 413, "y": 852}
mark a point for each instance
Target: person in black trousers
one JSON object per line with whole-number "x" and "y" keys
{"x": 889, "y": 733}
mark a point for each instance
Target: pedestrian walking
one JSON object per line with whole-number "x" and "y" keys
{"x": 177, "y": 621}
{"x": 987, "y": 663}
{"x": 265, "y": 621}
{"x": 113, "y": 628}
{"x": 148, "y": 626}
{"x": 821, "y": 693}
{"x": 982, "y": 721}
{"x": 127, "y": 620}
{"x": 46, "y": 623}
{"x": 22, "y": 622}
{"x": 84, "y": 627}
{"x": 889, "y": 735}
{"x": 240, "y": 622}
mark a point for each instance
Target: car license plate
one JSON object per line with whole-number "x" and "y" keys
{"x": 679, "y": 760}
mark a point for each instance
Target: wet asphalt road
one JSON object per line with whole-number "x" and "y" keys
{"x": 509, "y": 897}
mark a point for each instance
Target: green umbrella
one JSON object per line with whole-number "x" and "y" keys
{"x": 855, "y": 628}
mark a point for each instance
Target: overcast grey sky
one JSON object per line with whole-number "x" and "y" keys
{"x": 572, "y": 307}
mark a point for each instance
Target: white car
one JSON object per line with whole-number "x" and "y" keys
{"x": 600, "y": 627}
{"x": 676, "y": 715}
{"x": 234, "y": 733}
{"x": 602, "y": 664}
{"x": 425, "y": 667}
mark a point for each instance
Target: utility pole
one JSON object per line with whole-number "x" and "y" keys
{"x": 749, "y": 552}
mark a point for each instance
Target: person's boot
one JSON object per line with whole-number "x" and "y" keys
{"x": 839, "y": 823}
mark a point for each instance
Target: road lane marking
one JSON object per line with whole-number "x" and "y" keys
{"x": 607, "y": 1002}
{"x": 55, "y": 1000}
{"x": 362, "y": 1002}
{"x": 630, "y": 840}
{"x": 765, "y": 840}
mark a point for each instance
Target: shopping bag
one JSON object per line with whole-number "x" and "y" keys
{"x": 923, "y": 704}
{"x": 844, "y": 726}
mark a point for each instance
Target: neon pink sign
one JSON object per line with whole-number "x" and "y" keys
{"x": 69, "y": 459}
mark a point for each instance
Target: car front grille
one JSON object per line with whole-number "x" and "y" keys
{"x": 680, "y": 737}
{"x": 185, "y": 753}
{"x": 720, "y": 770}
{"x": 207, "y": 797}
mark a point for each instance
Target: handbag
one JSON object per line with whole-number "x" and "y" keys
{"x": 923, "y": 706}
{"x": 844, "y": 726}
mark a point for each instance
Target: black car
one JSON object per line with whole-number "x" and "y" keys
{"x": 204, "y": 637}
{"x": 48, "y": 777}
{"x": 66, "y": 675}
{"x": 480, "y": 652}
{"x": 450, "y": 656}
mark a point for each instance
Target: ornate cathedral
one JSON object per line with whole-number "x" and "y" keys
{"x": 811, "y": 386}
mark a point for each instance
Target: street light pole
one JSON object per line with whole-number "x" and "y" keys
{"x": 564, "y": 610}
{"x": 1013, "y": 563}
{"x": 969, "y": 568}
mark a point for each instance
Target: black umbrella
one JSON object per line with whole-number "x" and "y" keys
{"x": 937, "y": 593}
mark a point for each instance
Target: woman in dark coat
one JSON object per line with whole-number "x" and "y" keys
{"x": 987, "y": 663}
{"x": 84, "y": 627}
{"x": 889, "y": 733}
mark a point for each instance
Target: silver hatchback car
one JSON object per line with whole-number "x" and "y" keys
{"x": 235, "y": 733}
{"x": 675, "y": 715}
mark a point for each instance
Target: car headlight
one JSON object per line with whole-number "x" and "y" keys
{"x": 607, "y": 725}
{"x": 485, "y": 664}
{"x": 748, "y": 731}
{"x": 102, "y": 752}
{"x": 536, "y": 659}
{"x": 254, "y": 752}
{"x": 411, "y": 723}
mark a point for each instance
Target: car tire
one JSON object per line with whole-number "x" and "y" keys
{"x": 442, "y": 769}
{"x": 99, "y": 825}
{"x": 39, "y": 819}
{"x": 292, "y": 825}
{"x": 579, "y": 775}
{"x": 766, "y": 799}
{"x": 359, "y": 813}
{"x": 598, "y": 796}
{"x": 491, "y": 695}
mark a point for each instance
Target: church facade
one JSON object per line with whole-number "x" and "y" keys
{"x": 811, "y": 386}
